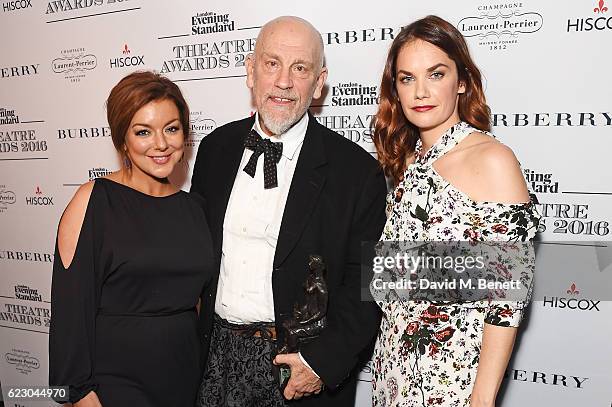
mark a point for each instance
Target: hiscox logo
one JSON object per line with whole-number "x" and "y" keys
{"x": 8, "y": 116}
{"x": 127, "y": 59}
{"x": 7, "y": 198}
{"x": 39, "y": 199}
{"x": 201, "y": 126}
{"x": 211, "y": 22}
{"x": 16, "y": 5}
{"x": 600, "y": 21}
{"x": 570, "y": 301}
{"x": 499, "y": 26}
{"x": 74, "y": 64}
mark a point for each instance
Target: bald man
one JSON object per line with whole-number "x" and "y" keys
{"x": 279, "y": 187}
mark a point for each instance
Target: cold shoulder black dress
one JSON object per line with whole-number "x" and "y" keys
{"x": 123, "y": 318}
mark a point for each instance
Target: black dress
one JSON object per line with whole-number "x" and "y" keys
{"x": 123, "y": 313}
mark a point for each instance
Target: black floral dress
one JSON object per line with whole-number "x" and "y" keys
{"x": 427, "y": 354}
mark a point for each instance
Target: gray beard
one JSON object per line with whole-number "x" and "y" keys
{"x": 278, "y": 127}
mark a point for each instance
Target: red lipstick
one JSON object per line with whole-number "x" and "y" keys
{"x": 423, "y": 108}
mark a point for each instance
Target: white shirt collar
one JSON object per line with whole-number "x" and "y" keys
{"x": 291, "y": 139}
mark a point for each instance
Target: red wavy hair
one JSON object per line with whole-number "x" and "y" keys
{"x": 394, "y": 136}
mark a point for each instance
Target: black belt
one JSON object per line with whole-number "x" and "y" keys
{"x": 264, "y": 330}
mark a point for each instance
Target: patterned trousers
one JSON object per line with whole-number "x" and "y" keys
{"x": 238, "y": 372}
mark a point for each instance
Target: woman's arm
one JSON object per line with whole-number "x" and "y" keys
{"x": 90, "y": 400}
{"x": 73, "y": 302}
{"x": 500, "y": 179}
{"x": 497, "y": 344}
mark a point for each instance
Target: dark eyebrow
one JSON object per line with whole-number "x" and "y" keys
{"x": 430, "y": 69}
{"x": 436, "y": 66}
{"x": 147, "y": 126}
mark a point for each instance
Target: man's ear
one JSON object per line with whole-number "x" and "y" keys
{"x": 320, "y": 82}
{"x": 249, "y": 64}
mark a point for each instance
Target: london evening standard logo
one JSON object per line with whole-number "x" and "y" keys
{"x": 541, "y": 182}
{"x": 127, "y": 59}
{"x": 38, "y": 198}
{"x": 7, "y": 198}
{"x": 499, "y": 26}
{"x": 22, "y": 360}
{"x": 222, "y": 54}
{"x": 599, "y": 20}
{"x": 8, "y": 116}
{"x": 211, "y": 22}
{"x": 200, "y": 127}
{"x": 98, "y": 173}
{"x": 354, "y": 94}
{"x": 23, "y": 292}
{"x": 74, "y": 64}
{"x": 355, "y": 123}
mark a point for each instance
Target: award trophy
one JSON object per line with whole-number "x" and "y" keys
{"x": 308, "y": 319}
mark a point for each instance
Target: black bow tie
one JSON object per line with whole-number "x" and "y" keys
{"x": 272, "y": 154}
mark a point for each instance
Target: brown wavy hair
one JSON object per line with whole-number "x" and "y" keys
{"x": 133, "y": 92}
{"x": 394, "y": 136}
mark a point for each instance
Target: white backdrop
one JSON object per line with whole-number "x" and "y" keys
{"x": 548, "y": 82}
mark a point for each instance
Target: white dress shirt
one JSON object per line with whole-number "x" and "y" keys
{"x": 250, "y": 231}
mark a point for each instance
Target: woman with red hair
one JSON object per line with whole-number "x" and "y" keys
{"x": 452, "y": 182}
{"x": 133, "y": 254}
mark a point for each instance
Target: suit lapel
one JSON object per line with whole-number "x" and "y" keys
{"x": 306, "y": 185}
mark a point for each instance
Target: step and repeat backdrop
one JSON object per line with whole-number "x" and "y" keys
{"x": 548, "y": 82}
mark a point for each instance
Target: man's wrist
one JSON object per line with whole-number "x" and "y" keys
{"x": 307, "y": 365}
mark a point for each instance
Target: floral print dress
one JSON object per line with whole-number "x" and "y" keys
{"x": 427, "y": 354}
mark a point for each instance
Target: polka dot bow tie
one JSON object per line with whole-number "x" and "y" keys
{"x": 272, "y": 154}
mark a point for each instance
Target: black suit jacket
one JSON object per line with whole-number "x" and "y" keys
{"x": 336, "y": 201}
